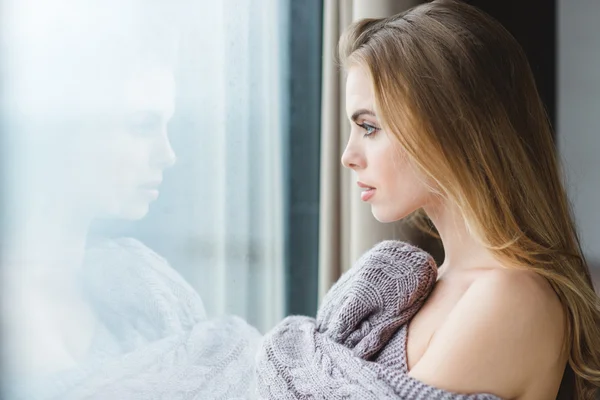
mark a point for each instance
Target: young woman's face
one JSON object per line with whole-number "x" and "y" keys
{"x": 138, "y": 150}
{"x": 118, "y": 160}
{"x": 94, "y": 101}
{"x": 387, "y": 179}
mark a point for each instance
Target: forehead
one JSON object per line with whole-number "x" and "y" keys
{"x": 150, "y": 90}
{"x": 359, "y": 90}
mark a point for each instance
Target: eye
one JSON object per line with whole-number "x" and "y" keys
{"x": 146, "y": 124}
{"x": 369, "y": 129}
{"x": 146, "y": 128}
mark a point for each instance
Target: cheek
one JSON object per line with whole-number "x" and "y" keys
{"x": 404, "y": 190}
{"x": 121, "y": 161}
{"x": 395, "y": 171}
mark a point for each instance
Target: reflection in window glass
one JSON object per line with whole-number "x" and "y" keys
{"x": 144, "y": 145}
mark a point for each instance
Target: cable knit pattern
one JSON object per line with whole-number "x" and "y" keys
{"x": 157, "y": 342}
{"x": 356, "y": 347}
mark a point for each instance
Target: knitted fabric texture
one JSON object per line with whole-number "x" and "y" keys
{"x": 356, "y": 347}
{"x": 157, "y": 343}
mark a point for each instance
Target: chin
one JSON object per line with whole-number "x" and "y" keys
{"x": 134, "y": 212}
{"x": 389, "y": 215}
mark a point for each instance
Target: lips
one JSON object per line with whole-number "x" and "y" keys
{"x": 367, "y": 191}
{"x": 150, "y": 190}
{"x": 364, "y": 186}
{"x": 153, "y": 185}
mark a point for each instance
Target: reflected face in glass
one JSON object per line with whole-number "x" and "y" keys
{"x": 134, "y": 149}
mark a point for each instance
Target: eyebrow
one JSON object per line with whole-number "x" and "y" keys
{"x": 360, "y": 112}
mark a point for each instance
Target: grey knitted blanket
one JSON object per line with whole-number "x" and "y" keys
{"x": 157, "y": 341}
{"x": 356, "y": 347}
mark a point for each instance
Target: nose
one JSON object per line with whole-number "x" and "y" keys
{"x": 164, "y": 155}
{"x": 352, "y": 157}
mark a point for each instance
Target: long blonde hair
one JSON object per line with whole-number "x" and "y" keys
{"x": 456, "y": 90}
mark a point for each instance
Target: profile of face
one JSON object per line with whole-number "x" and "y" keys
{"x": 136, "y": 152}
{"x": 119, "y": 157}
{"x": 94, "y": 92}
{"x": 387, "y": 179}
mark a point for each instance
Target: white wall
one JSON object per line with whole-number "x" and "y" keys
{"x": 579, "y": 114}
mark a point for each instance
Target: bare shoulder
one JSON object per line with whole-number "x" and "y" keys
{"x": 505, "y": 330}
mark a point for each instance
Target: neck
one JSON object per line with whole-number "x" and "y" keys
{"x": 462, "y": 251}
{"x": 46, "y": 248}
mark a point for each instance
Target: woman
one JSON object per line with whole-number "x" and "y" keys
{"x": 446, "y": 119}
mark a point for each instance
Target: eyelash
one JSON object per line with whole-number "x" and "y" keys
{"x": 146, "y": 128}
{"x": 370, "y": 129}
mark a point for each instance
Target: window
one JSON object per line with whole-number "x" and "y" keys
{"x": 160, "y": 168}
